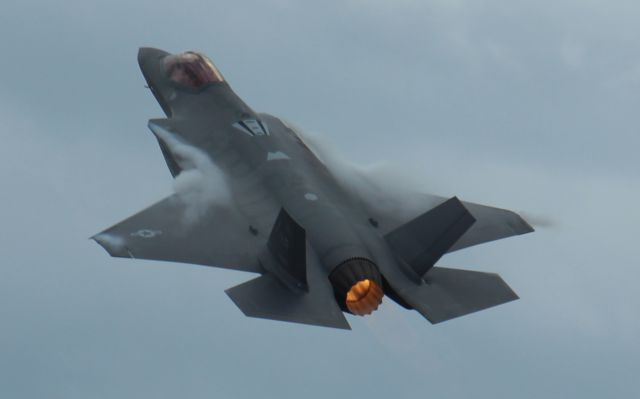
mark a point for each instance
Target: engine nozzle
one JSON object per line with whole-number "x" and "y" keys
{"x": 357, "y": 285}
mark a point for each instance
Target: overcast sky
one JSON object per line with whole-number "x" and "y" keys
{"x": 527, "y": 105}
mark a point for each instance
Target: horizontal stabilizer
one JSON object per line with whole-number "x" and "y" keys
{"x": 451, "y": 293}
{"x": 423, "y": 240}
{"x": 266, "y": 297}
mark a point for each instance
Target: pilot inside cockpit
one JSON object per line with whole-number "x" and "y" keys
{"x": 192, "y": 70}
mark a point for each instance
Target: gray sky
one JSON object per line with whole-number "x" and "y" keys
{"x": 530, "y": 106}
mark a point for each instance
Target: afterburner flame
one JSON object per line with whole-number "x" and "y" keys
{"x": 364, "y": 297}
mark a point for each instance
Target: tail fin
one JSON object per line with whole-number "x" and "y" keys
{"x": 287, "y": 252}
{"x": 423, "y": 240}
{"x": 442, "y": 294}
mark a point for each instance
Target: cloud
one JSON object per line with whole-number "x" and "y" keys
{"x": 201, "y": 184}
{"x": 573, "y": 54}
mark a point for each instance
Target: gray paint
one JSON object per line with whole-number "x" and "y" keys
{"x": 486, "y": 107}
{"x": 293, "y": 200}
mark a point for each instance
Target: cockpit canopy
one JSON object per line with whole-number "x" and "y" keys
{"x": 192, "y": 70}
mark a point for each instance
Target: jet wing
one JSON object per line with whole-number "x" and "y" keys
{"x": 491, "y": 223}
{"x": 167, "y": 231}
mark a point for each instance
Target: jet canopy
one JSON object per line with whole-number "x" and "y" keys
{"x": 192, "y": 70}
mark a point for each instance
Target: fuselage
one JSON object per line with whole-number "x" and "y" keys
{"x": 250, "y": 195}
{"x": 269, "y": 167}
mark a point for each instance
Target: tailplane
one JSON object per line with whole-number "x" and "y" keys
{"x": 293, "y": 287}
{"x": 450, "y": 293}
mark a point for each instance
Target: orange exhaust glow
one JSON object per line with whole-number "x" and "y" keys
{"x": 364, "y": 297}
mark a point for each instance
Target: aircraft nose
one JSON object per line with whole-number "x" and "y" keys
{"x": 146, "y": 54}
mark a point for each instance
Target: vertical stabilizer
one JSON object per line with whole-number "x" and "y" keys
{"x": 286, "y": 254}
{"x": 423, "y": 240}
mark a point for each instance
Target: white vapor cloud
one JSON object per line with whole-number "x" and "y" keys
{"x": 382, "y": 185}
{"x": 201, "y": 185}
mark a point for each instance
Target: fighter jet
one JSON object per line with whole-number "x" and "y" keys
{"x": 320, "y": 249}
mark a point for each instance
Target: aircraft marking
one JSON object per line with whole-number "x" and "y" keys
{"x": 146, "y": 233}
{"x": 311, "y": 197}
{"x": 252, "y": 127}
{"x": 274, "y": 156}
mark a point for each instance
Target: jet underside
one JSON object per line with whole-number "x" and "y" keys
{"x": 260, "y": 200}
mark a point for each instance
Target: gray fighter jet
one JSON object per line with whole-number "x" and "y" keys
{"x": 320, "y": 249}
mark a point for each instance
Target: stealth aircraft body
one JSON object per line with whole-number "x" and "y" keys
{"x": 319, "y": 249}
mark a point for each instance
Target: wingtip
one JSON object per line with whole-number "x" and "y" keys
{"x": 519, "y": 224}
{"x": 114, "y": 245}
{"x": 526, "y": 226}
